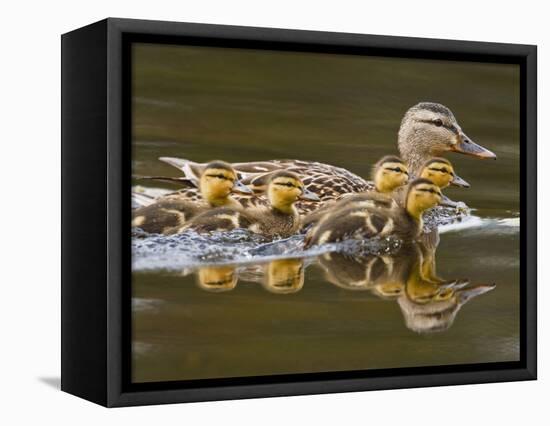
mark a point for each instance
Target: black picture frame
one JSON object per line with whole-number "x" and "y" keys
{"x": 96, "y": 209}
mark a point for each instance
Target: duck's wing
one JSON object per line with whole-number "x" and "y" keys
{"x": 180, "y": 181}
{"x": 141, "y": 200}
{"x": 191, "y": 194}
{"x": 190, "y": 169}
{"x": 326, "y": 181}
{"x": 164, "y": 216}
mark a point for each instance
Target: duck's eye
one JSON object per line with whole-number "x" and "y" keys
{"x": 441, "y": 170}
{"x": 438, "y": 122}
{"x": 395, "y": 169}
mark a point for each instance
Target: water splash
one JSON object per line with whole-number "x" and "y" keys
{"x": 190, "y": 249}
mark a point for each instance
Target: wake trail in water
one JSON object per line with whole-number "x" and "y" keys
{"x": 188, "y": 250}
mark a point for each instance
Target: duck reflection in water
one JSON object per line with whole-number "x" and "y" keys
{"x": 281, "y": 276}
{"x": 428, "y": 302}
{"x": 284, "y": 276}
{"x": 217, "y": 279}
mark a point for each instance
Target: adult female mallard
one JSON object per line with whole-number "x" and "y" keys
{"x": 378, "y": 216}
{"x": 427, "y": 130}
{"x": 280, "y": 219}
{"x": 167, "y": 214}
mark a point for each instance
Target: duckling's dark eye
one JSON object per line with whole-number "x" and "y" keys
{"x": 220, "y": 176}
{"x": 441, "y": 170}
{"x": 438, "y": 122}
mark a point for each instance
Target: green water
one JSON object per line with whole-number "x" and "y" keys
{"x": 244, "y": 105}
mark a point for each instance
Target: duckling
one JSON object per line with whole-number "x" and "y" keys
{"x": 378, "y": 217}
{"x": 427, "y": 130}
{"x": 441, "y": 172}
{"x": 388, "y": 174}
{"x": 280, "y": 219}
{"x": 169, "y": 213}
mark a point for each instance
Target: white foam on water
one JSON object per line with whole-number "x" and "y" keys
{"x": 485, "y": 225}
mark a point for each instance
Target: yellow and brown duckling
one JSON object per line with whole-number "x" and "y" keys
{"x": 168, "y": 214}
{"x": 441, "y": 172}
{"x": 378, "y": 216}
{"x": 389, "y": 174}
{"x": 280, "y": 219}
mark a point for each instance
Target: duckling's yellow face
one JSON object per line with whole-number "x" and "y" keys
{"x": 390, "y": 175}
{"x": 423, "y": 292}
{"x": 217, "y": 279}
{"x": 284, "y": 191}
{"x": 216, "y": 184}
{"x": 440, "y": 173}
{"x": 423, "y": 196}
{"x": 285, "y": 276}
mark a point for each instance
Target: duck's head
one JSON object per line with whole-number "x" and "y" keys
{"x": 217, "y": 278}
{"x": 285, "y": 188}
{"x": 422, "y": 194}
{"x": 390, "y": 172}
{"x": 430, "y": 129}
{"x": 217, "y": 181}
{"x": 441, "y": 172}
{"x": 284, "y": 276}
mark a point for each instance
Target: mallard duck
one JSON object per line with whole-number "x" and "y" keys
{"x": 280, "y": 219}
{"x": 427, "y": 130}
{"x": 167, "y": 214}
{"x": 378, "y": 216}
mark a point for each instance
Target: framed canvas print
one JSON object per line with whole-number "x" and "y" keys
{"x": 253, "y": 212}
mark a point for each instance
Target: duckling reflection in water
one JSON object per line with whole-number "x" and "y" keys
{"x": 217, "y": 279}
{"x": 284, "y": 276}
{"x": 171, "y": 212}
{"x": 428, "y": 303}
{"x": 357, "y": 273}
{"x": 436, "y": 311}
